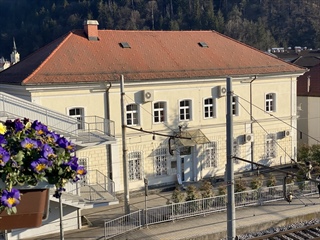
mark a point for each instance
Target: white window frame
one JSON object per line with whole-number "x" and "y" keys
{"x": 135, "y": 166}
{"x": 132, "y": 115}
{"x": 235, "y": 106}
{"x": 159, "y": 112}
{"x": 208, "y": 108}
{"x": 161, "y": 161}
{"x": 78, "y": 114}
{"x": 211, "y": 155}
{"x": 271, "y": 146}
{"x": 185, "y": 111}
{"x": 270, "y": 102}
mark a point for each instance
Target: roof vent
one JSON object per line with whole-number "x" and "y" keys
{"x": 124, "y": 45}
{"x": 203, "y": 44}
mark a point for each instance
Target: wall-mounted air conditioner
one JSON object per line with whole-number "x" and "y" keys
{"x": 248, "y": 137}
{"x": 147, "y": 95}
{"x": 222, "y": 91}
{"x": 286, "y": 133}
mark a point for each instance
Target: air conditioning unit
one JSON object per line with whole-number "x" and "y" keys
{"x": 248, "y": 137}
{"x": 147, "y": 95}
{"x": 222, "y": 91}
{"x": 286, "y": 133}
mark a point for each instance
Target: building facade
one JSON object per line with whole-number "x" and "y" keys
{"x": 174, "y": 104}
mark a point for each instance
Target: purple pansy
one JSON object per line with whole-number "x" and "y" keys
{"x": 47, "y": 151}
{"x": 64, "y": 143}
{"x": 4, "y": 156}
{"x": 18, "y": 125}
{"x": 39, "y": 127}
{"x": 10, "y": 198}
{"x": 39, "y": 165}
{"x": 3, "y": 139}
{"x": 29, "y": 143}
{"x": 52, "y": 137}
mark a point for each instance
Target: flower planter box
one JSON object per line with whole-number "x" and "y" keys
{"x": 30, "y": 212}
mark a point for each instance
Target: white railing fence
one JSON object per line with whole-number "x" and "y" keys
{"x": 202, "y": 207}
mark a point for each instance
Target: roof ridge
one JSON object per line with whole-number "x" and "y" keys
{"x": 49, "y": 56}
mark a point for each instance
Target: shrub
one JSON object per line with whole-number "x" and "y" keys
{"x": 271, "y": 180}
{"x": 192, "y": 193}
{"x": 206, "y": 189}
{"x": 240, "y": 185}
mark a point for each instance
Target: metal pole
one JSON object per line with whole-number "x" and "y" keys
{"x": 251, "y": 123}
{"x": 61, "y": 217}
{"x": 145, "y": 202}
{"x": 124, "y": 150}
{"x": 230, "y": 175}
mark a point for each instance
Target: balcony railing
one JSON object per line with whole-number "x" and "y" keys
{"x": 93, "y": 128}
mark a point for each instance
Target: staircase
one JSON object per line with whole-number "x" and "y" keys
{"x": 96, "y": 130}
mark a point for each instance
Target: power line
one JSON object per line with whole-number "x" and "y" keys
{"x": 278, "y": 119}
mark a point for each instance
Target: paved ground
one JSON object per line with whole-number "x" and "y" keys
{"x": 213, "y": 226}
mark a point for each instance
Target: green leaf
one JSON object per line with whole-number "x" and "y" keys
{"x": 19, "y": 157}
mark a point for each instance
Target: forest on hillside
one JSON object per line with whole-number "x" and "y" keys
{"x": 260, "y": 23}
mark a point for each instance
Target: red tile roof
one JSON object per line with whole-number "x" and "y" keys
{"x": 153, "y": 55}
{"x": 314, "y": 83}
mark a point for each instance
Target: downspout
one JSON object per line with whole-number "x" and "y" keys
{"x": 251, "y": 122}
{"x": 109, "y": 160}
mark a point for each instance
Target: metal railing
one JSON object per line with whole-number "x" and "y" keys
{"x": 91, "y": 128}
{"x": 204, "y": 206}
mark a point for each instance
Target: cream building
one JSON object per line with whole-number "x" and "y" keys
{"x": 174, "y": 86}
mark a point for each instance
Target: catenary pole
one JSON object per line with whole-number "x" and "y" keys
{"x": 124, "y": 150}
{"x": 230, "y": 175}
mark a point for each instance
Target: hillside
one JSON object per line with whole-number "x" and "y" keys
{"x": 259, "y": 23}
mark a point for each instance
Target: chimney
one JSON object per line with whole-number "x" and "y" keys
{"x": 91, "y": 29}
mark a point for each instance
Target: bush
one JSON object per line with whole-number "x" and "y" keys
{"x": 206, "y": 189}
{"x": 192, "y": 193}
{"x": 257, "y": 182}
{"x": 177, "y": 196}
{"x": 222, "y": 190}
{"x": 240, "y": 185}
{"x": 271, "y": 180}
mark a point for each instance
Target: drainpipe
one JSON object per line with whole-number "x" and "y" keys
{"x": 107, "y": 115}
{"x": 251, "y": 122}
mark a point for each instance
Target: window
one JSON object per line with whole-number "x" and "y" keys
{"x": 159, "y": 112}
{"x": 270, "y": 147}
{"x": 161, "y": 161}
{"x": 211, "y": 156}
{"x": 270, "y": 102}
{"x": 235, "y": 107}
{"x": 185, "y": 110}
{"x": 132, "y": 114}
{"x": 208, "y": 108}
{"x": 78, "y": 113}
{"x": 134, "y": 166}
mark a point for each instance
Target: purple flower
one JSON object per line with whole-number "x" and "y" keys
{"x": 29, "y": 143}
{"x": 18, "y": 125}
{"x": 52, "y": 137}
{"x": 64, "y": 143}
{"x": 4, "y": 156}
{"x": 47, "y": 151}
{"x": 10, "y": 198}
{"x": 3, "y": 140}
{"x": 40, "y": 165}
{"x": 81, "y": 171}
{"x": 39, "y": 127}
